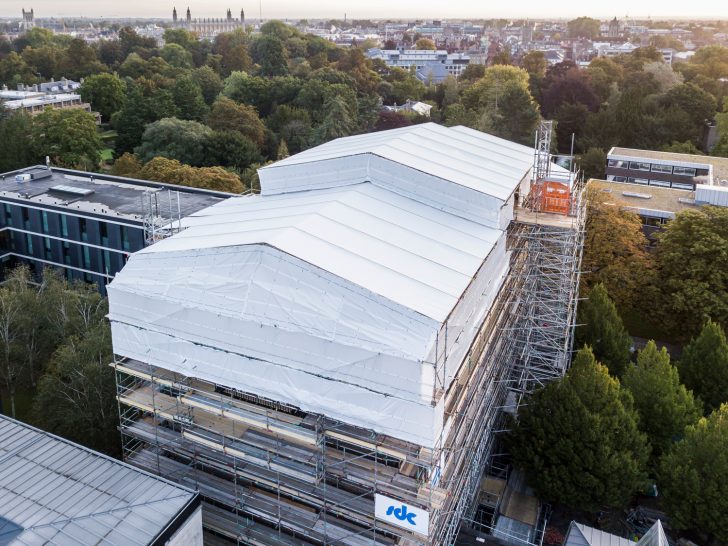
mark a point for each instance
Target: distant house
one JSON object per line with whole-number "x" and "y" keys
{"x": 413, "y": 106}
{"x": 431, "y": 66}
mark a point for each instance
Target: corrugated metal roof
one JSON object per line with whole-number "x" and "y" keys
{"x": 401, "y": 249}
{"x": 580, "y": 534}
{"x": 463, "y": 156}
{"x": 55, "y": 492}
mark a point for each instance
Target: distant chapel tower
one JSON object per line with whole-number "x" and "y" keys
{"x": 174, "y": 16}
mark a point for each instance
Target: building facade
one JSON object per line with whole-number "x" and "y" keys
{"x": 208, "y": 28}
{"x": 84, "y": 224}
{"x": 435, "y": 65}
{"x": 665, "y": 169}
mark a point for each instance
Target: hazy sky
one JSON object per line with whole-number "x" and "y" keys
{"x": 371, "y": 8}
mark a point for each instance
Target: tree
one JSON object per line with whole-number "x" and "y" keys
{"x": 577, "y": 439}
{"x": 77, "y": 397}
{"x": 189, "y": 100}
{"x": 704, "y": 366}
{"x": 231, "y": 149}
{"x": 615, "y": 250}
{"x": 105, "y": 92}
{"x": 514, "y": 115}
{"x": 69, "y": 137}
{"x": 228, "y": 115}
{"x": 171, "y": 171}
{"x": 127, "y": 165}
{"x": 698, "y": 104}
{"x": 692, "y": 265}
{"x": 209, "y": 82}
{"x": 592, "y": 163}
{"x": 12, "y": 369}
{"x": 665, "y": 407}
{"x": 570, "y": 122}
{"x": 571, "y": 88}
{"x": 15, "y": 134}
{"x": 270, "y": 53}
{"x": 602, "y": 329}
{"x": 694, "y": 478}
{"x": 177, "y": 56}
{"x": 583, "y": 27}
{"x": 175, "y": 139}
{"x": 534, "y": 62}
{"x": 687, "y": 147}
{"x": 339, "y": 122}
{"x": 425, "y": 43}
{"x": 79, "y": 60}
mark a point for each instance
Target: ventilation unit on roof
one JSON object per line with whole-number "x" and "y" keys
{"x": 637, "y": 195}
{"x": 72, "y": 190}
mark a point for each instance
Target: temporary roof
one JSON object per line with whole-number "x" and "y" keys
{"x": 583, "y": 535}
{"x": 341, "y": 300}
{"x": 456, "y": 169}
{"x": 55, "y": 492}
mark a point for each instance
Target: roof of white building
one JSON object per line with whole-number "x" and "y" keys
{"x": 329, "y": 289}
{"x": 475, "y": 160}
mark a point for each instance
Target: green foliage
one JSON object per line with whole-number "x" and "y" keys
{"x": 105, "y": 92}
{"x": 577, "y": 440}
{"x": 210, "y": 83}
{"x": 583, "y": 27}
{"x": 592, "y": 163}
{"x": 69, "y": 137}
{"x": 601, "y": 328}
{"x": 692, "y": 265}
{"x": 172, "y": 171}
{"x": 270, "y": 53}
{"x": 665, "y": 407}
{"x": 693, "y": 478}
{"x": 339, "y": 121}
{"x": 686, "y": 147}
{"x": 189, "y": 100}
{"x": 615, "y": 253}
{"x": 425, "y": 43}
{"x": 175, "y": 139}
{"x": 704, "y": 366}
{"x": 15, "y": 134}
{"x": 228, "y": 115}
{"x": 177, "y": 56}
{"x": 231, "y": 148}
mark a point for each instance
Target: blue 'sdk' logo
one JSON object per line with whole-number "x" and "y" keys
{"x": 402, "y": 514}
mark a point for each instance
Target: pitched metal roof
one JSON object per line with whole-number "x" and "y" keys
{"x": 55, "y": 492}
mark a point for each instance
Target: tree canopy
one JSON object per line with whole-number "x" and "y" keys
{"x": 704, "y": 365}
{"x": 578, "y": 441}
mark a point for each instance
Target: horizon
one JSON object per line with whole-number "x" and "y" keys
{"x": 374, "y": 9}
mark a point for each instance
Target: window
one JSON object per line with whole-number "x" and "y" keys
{"x": 67, "y": 253}
{"x": 661, "y": 183}
{"x": 26, "y": 217}
{"x": 684, "y": 171}
{"x": 104, "y": 228}
{"x": 47, "y": 247}
{"x": 82, "y": 227}
{"x": 86, "y": 257}
{"x": 8, "y": 215}
{"x": 618, "y": 164}
{"x": 44, "y": 216}
{"x": 637, "y": 180}
{"x": 29, "y": 243}
{"x": 64, "y": 225}
{"x": 637, "y": 166}
{"x": 683, "y": 186}
{"x": 125, "y": 238}
{"x": 662, "y": 169}
{"x": 620, "y": 178}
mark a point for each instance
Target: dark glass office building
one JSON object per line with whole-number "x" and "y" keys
{"x": 87, "y": 224}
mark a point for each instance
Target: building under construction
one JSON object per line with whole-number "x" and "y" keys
{"x": 327, "y": 362}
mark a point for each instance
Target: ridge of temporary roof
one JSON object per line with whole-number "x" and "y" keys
{"x": 476, "y": 160}
{"x": 53, "y": 491}
{"x": 408, "y": 252}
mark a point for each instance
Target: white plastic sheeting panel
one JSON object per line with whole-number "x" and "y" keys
{"x": 711, "y": 195}
{"x": 462, "y": 171}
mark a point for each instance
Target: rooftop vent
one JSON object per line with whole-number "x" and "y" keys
{"x": 637, "y": 195}
{"x": 72, "y": 190}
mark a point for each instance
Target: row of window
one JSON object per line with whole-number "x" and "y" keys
{"x": 651, "y": 167}
{"x": 650, "y": 182}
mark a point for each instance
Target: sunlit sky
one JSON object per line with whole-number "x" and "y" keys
{"x": 410, "y": 9}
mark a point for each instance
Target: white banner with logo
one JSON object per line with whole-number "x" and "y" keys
{"x": 401, "y": 514}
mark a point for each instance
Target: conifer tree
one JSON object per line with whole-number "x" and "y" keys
{"x": 704, "y": 366}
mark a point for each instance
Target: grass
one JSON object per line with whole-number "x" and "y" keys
{"x": 23, "y": 404}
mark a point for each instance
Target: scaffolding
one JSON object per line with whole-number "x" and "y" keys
{"x": 270, "y": 473}
{"x": 161, "y": 214}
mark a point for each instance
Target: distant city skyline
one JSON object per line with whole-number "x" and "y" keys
{"x": 410, "y": 9}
